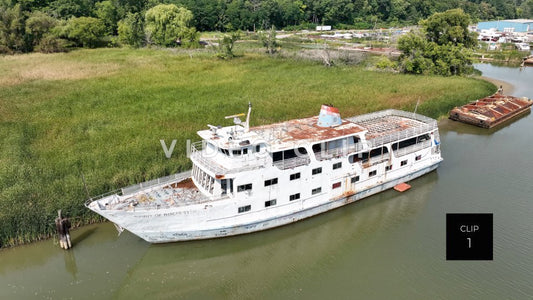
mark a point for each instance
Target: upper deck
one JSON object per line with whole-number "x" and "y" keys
{"x": 391, "y": 125}
{"x": 378, "y": 128}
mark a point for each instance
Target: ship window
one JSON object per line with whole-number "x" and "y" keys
{"x": 224, "y": 151}
{"x": 316, "y": 191}
{"x": 337, "y": 165}
{"x": 378, "y": 151}
{"x": 244, "y": 151}
{"x": 418, "y": 157}
{"x": 244, "y": 187}
{"x": 236, "y": 152}
{"x": 372, "y": 173}
{"x": 288, "y": 154}
{"x": 317, "y": 171}
{"x": 403, "y": 163}
{"x": 270, "y": 203}
{"x": 271, "y": 181}
{"x": 257, "y": 148}
{"x": 245, "y": 208}
{"x": 336, "y": 185}
{"x": 355, "y": 179}
{"x": 388, "y": 168}
{"x": 358, "y": 157}
{"x": 294, "y": 197}
{"x": 295, "y": 176}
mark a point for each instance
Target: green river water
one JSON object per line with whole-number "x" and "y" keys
{"x": 388, "y": 246}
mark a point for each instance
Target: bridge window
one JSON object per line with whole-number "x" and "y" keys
{"x": 372, "y": 173}
{"x": 316, "y": 171}
{"x": 294, "y": 197}
{"x": 245, "y": 208}
{"x": 244, "y": 187}
{"x": 316, "y": 191}
{"x": 337, "y": 165}
{"x": 270, "y": 203}
{"x": 270, "y": 182}
{"x": 295, "y": 176}
{"x": 355, "y": 179}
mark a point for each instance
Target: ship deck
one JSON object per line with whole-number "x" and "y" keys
{"x": 379, "y": 128}
{"x": 158, "y": 194}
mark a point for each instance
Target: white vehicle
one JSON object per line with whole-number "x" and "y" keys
{"x": 522, "y": 46}
{"x": 250, "y": 179}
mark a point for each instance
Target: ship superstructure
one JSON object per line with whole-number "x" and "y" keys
{"x": 250, "y": 179}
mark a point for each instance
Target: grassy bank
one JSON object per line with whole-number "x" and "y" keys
{"x": 102, "y": 113}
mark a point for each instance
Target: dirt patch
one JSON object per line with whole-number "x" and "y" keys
{"x": 21, "y": 68}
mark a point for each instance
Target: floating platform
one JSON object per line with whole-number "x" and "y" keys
{"x": 491, "y": 111}
{"x": 402, "y": 187}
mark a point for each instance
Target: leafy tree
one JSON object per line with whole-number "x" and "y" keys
{"x": 169, "y": 25}
{"x": 12, "y": 30}
{"x": 442, "y": 47}
{"x": 449, "y": 27}
{"x": 38, "y": 25}
{"x": 52, "y": 44}
{"x": 107, "y": 12}
{"x": 225, "y": 45}
{"x": 131, "y": 30}
{"x": 66, "y": 9}
{"x": 85, "y": 31}
{"x": 268, "y": 39}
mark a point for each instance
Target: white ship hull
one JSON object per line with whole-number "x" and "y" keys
{"x": 175, "y": 236}
{"x": 203, "y": 204}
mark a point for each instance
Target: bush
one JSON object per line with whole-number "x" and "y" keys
{"x": 52, "y": 44}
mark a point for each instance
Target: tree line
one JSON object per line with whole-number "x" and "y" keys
{"x": 55, "y": 25}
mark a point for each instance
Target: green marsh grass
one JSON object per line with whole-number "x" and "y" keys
{"x": 103, "y": 113}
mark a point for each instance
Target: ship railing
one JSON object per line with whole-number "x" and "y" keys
{"x": 412, "y": 148}
{"x": 241, "y": 164}
{"x": 428, "y": 125}
{"x": 291, "y": 163}
{"x": 132, "y": 189}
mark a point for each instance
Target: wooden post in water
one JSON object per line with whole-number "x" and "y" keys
{"x": 62, "y": 227}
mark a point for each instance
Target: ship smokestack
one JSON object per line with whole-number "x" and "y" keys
{"x": 329, "y": 116}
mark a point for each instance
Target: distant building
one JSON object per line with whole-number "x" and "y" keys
{"x": 323, "y": 28}
{"x": 518, "y": 25}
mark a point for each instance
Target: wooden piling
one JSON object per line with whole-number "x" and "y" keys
{"x": 63, "y": 227}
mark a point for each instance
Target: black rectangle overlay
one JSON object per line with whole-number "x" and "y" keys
{"x": 469, "y": 237}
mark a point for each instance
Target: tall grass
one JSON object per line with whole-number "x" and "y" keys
{"x": 103, "y": 112}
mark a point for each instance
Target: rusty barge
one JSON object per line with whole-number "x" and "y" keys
{"x": 491, "y": 111}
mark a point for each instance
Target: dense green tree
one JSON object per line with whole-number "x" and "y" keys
{"x": 442, "y": 47}
{"x": 449, "y": 27}
{"x": 107, "y": 12}
{"x": 169, "y": 25}
{"x": 131, "y": 30}
{"x": 13, "y": 36}
{"x": 65, "y": 9}
{"x": 38, "y": 25}
{"x": 85, "y": 31}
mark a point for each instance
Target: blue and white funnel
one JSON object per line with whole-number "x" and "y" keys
{"x": 329, "y": 116}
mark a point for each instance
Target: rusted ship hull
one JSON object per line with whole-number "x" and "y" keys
{"x": 491, "y": 111}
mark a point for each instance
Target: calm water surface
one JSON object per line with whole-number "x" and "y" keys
{"x": 389, "y": 246}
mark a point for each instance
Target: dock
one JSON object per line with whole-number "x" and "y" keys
{"x": 491, "y": 111}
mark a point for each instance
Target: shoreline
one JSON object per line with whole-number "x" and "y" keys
{"x": 508, "y": 88}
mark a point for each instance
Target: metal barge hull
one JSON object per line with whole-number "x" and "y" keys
{"x": 491, "y": 111}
